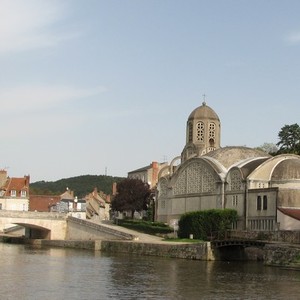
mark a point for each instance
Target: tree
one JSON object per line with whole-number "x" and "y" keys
{"x": 132, "y": 195}
{"x": 289, "y": 139}
{"x": 269, "y": 148}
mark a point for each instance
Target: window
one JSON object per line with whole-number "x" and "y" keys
{"x": 265, "y": 202}
{"x": 200, "y": 131}
{"x": 212, "y": 131}
{"x": 23, "y": 193}
{"x": 258, "y": 203}
{"x": 234, "y": 200}
{"x": 13, "y": 193}
{"x": 190, "y": 132}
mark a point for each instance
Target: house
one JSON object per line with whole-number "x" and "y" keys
{"x": 71, "y": 205}
{"x": 97, "y": 206}
{"x": 14, "y": 192}
{"x": 43, "y": 203}
{"x": 148, "y": 174}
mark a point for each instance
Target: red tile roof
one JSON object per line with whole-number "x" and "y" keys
{"x": 16, "y": 184}
{"x": 291, "y": 212}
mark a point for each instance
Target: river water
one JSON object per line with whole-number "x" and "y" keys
{"x": 55, "y": 273}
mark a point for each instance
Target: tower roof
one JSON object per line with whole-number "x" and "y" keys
{"x": 203, "y": 112}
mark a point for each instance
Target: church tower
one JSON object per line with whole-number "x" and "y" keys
{"x": 203, "y": 132}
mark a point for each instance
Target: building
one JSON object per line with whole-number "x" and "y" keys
{"x": 208, "y": 176}
{"x": 43, "y": 203}
{"x": 97, "y": 206}
{"x": 14, "y": 192}
{"x": 148, "y": 174}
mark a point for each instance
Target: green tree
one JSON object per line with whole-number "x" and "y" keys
{"x": 289, "y": 139}
{"x": 132, "y": 195}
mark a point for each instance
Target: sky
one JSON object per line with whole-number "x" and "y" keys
{"x": 104, "y": 87}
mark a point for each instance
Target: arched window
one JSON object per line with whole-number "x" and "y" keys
{"x": 212, "y": 131}
{"x": 265, "y": 202}
{"x": 200, "y": 131}
{"x": 190, "y": 127}
{"x": 258, "y": 203}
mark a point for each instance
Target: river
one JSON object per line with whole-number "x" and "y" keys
{"x": 56, "y": 273}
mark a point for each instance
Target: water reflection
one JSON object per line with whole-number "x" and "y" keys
{"x": 54, "y": 273}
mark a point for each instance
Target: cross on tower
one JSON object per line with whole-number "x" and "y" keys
{"x": 204, "y": 96}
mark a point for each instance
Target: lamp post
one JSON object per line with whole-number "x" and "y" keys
{"x": 75, "y": 202}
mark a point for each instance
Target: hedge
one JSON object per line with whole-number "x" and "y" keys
{"x": 206, "y": 224}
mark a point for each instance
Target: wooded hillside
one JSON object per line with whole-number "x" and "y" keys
{"x": 81, "y": 185}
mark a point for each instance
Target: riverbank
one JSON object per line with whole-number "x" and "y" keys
{"x": 272, "y": 254}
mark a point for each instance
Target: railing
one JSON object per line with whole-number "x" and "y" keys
{"x": 284, "y": 236}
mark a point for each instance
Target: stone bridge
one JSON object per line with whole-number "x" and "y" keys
{"x": 57, "y": 226}
{"x": 238, "y": 249}
{"x": 38, "y": 225}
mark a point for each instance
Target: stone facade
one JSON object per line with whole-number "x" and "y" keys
{"x": 209, "y": 176}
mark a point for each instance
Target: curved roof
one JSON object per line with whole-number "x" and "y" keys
{"x": 229, "y": 156}
{"x": 203, "y": 112}
{"x": 286, "y": 170}
{"x": 287, "y": 164}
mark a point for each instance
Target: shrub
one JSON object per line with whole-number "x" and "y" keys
{"x": 206, "y": 224}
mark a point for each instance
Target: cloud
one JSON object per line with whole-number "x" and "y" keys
{"x": 293, "y": 38}
{"x": 30, "y": 24}
{"x": 32, "y": 111}
{"x": 27, "y": 98}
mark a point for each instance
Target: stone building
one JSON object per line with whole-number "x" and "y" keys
{"x": 209, "y": 176}
{"x": 148, "y": 174}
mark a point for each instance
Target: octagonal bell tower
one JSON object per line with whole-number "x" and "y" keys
{"x": 203, "y": 132}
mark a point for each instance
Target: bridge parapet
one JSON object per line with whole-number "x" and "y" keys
{"x": 86, "y": 229}
{"x": 32, "y": 215}
{"x": 243, "y": 243}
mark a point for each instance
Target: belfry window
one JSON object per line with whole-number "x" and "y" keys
{"x": 200, "y": 131}
{"x": 212, "y": 131}
{"x": 190, "y": 127}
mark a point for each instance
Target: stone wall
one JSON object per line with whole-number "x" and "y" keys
{"x": 174, "y": 250}
{"x": 282, "y": 255}
{"x": 79, "y": 229}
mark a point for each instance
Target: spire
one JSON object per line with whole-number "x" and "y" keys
{"x": 204, "y": 103}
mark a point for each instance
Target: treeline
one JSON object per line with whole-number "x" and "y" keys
{"x": 81, "y": 185}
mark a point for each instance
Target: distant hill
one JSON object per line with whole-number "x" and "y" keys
{"x": 81, "y": 185}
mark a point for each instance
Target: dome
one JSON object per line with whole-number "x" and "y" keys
{"x": 287, "y": 169}
{"x": 229, "y": 156}
{"x": 203, "y": 112}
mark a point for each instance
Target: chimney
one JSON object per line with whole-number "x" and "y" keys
{"x": 3, "y": 177}
{"x": 27, "y": 180}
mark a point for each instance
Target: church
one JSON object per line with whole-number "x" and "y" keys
{"x": 263, "y": 189}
